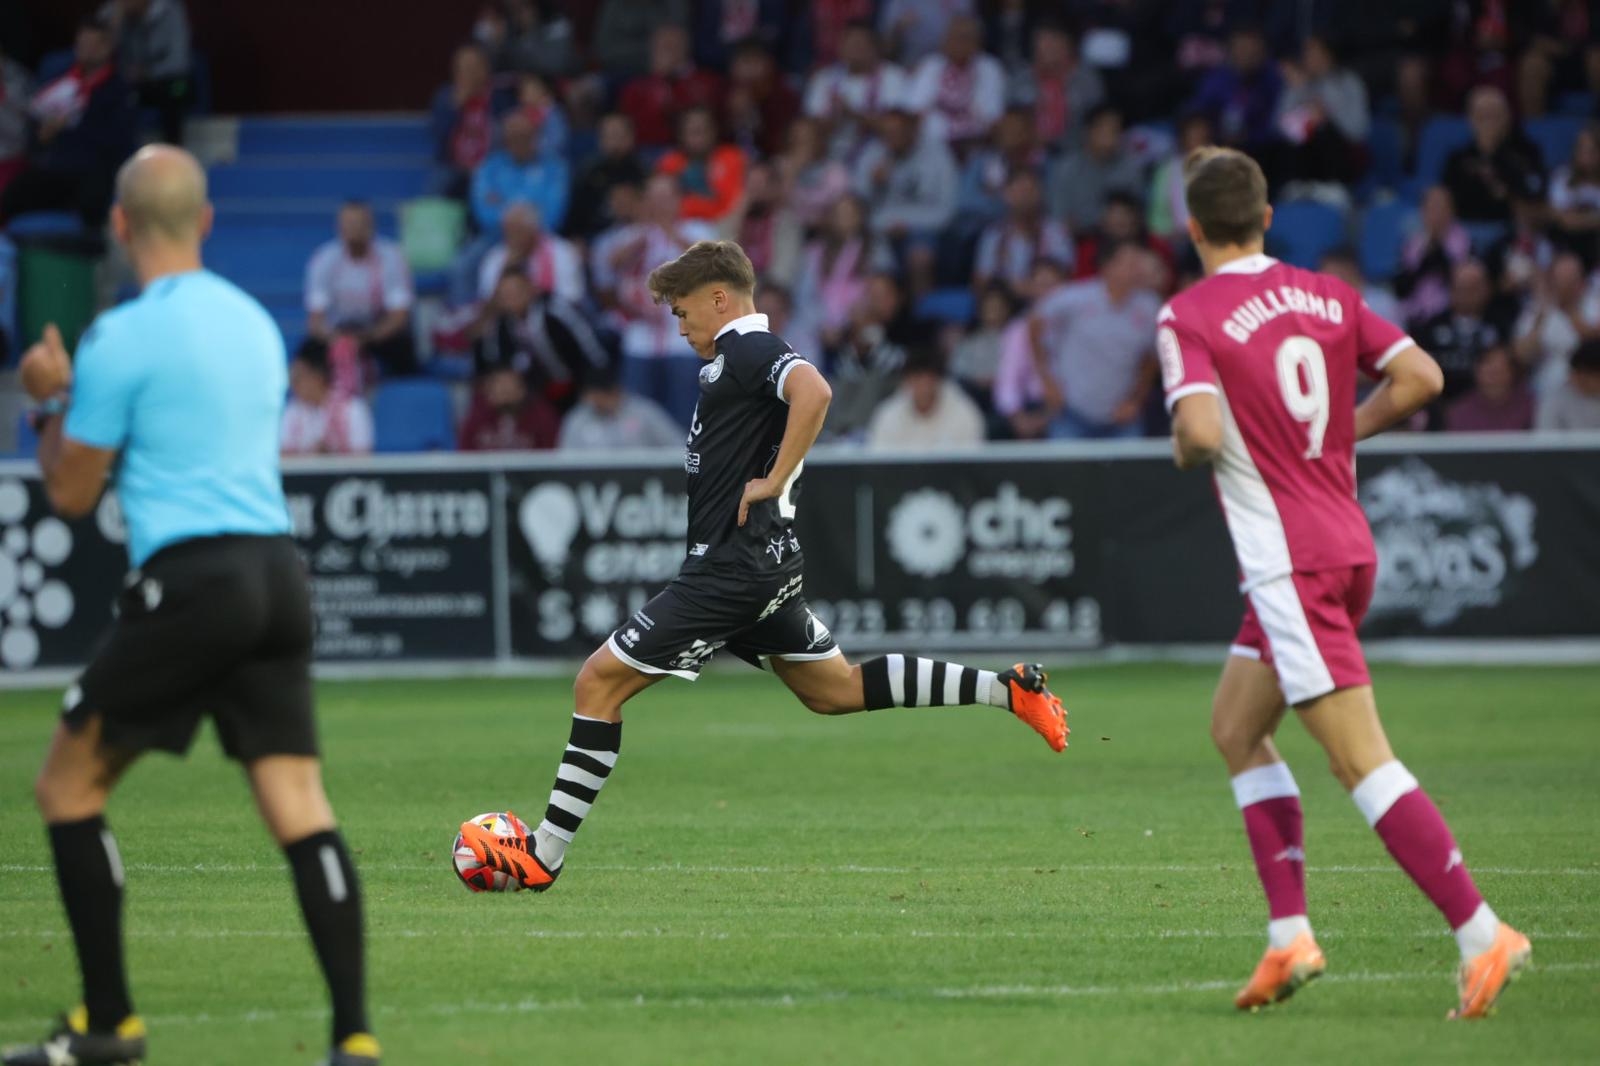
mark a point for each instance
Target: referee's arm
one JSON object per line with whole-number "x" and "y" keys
{"x": 74, "y": 473}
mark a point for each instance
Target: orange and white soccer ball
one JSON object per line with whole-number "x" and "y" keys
{"x": 476, "y": 876}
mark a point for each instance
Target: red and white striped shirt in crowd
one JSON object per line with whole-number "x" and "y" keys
{"x": 339, "y": 426}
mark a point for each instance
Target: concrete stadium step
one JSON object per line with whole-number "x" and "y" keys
{"x": 301, "y": 177}
{"x": 389, "y": 135}
{"x": 267, "y": 214}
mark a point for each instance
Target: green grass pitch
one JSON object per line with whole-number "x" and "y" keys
{"x": 760, "y": 885}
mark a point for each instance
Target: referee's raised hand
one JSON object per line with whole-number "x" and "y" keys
{"x": 46, "y": 368}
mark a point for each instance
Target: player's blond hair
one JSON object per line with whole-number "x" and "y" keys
{"x": 1226, "y": 193}
{"x": 703, "y": 263}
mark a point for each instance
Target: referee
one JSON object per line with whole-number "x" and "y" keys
{"x": 176, "y": 397}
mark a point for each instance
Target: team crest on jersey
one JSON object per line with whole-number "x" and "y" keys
{"x": 712, "y": 370}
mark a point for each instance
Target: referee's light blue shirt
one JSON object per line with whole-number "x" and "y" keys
{"x": 188, "y": 383}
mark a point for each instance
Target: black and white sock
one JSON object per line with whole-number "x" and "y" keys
{"x": 909, "y": 681}
{"x": 89, "y": 872}
{"x": 585, "y": 765}
{"x": 330, "y": 900}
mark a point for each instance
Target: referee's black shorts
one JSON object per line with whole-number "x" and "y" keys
{"x": 217, "y": 626}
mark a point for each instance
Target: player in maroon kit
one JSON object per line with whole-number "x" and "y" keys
{"x": 1259, "y": 366}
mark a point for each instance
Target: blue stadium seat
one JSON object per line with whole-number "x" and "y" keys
{"x": 1383, "y": 231}
{"x": 413, "y": 415}
{"x": 1438, "y": 139}
{"x": 948, "y": 305}
{"x": 1385, "y": 151}
{"x": 1578, "y": 103}
{"x": 1554, "y": 134}
{"x": 1302, "y": 230}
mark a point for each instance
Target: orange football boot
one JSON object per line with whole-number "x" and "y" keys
{"x": 511, "y": 855}
{"x": 1485, "y": 976}
{"x": 1035, "y": 704}
{"x": 1281, "y": 973}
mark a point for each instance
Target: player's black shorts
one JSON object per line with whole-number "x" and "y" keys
{"x": 217, "y": 626}
{"x": 690, "y": 620}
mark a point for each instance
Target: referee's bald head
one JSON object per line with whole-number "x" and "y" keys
{"x": 161, "y": 196}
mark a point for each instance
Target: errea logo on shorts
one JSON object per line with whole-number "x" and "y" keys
{"x": 29, "y": 598}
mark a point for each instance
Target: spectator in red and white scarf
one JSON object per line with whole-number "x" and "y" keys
{"x": 766, "y": 226}
{"x": 320, "y": 419}
{"x": 959, "y": 89}
{"x": 1057, "y": 87}
{"x": 359, "y": 286}
{"x": 655, "y": 100}
{"x": 1008, "y": 247}
{"x": 812, "y": 182}
{"x": 552, "y": 264}
{"x": 83, "y": 127}
{"x": 850, "y": 95}
{"x": 835, "y": 268}
{"x": 14, "y": 84}
{"x": 464, "y": 116}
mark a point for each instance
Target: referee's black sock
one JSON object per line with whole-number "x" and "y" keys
{"x": 908, "y": 681}
{"x": 89, "y": 871}
{"x": 330, "y": 899}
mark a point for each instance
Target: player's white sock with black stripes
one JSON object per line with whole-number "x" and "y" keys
{"x": 585, "y": 765}
{"x": 909, "y": 681}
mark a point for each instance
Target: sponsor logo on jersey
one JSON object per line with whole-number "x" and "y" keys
{"x": 699, "y": 549}
{"x": 778, "y": 364}
{"x": 789, "y": 591}
{"x": 712, "y": 370}
{"x": 696, "y": 655}
{"x": 1006, "y": 535}
{"x": 1444, "y": 547}
{"x": 817, "y": 634}
{"x": 784, "y": 541}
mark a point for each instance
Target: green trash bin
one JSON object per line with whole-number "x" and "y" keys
{"x": 54, "y": 285}
{"x": 431, "y": 230}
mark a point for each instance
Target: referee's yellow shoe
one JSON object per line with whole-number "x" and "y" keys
{"x": 357, "y": 1049}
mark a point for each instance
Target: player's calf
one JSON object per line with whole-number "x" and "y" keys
{"x": 831, "y": 686}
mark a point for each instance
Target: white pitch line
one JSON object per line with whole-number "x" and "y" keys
{"x": 848, "y": 868}
{"x": 790, "y": 1001}
{"x": 1430, "y": 933}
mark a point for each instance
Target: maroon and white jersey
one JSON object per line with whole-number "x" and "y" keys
{"x": 1280, "y": 347}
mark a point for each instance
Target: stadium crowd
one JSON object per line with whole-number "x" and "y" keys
{"x": 967, "y": 213}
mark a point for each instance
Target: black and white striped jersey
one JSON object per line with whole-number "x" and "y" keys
{"x": 734, "y": 437}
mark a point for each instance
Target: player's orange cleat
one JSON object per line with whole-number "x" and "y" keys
{"x": 511, "y": 855}
{"x": 1281, "y": 972}
{"x": 1485, "y": 976}
{"x": 1035, "y": 704}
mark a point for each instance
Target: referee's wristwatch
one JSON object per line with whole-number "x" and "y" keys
{"x": 54, "y": 407}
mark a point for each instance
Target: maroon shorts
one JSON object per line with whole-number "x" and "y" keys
{"x": 1304, "y": 626}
